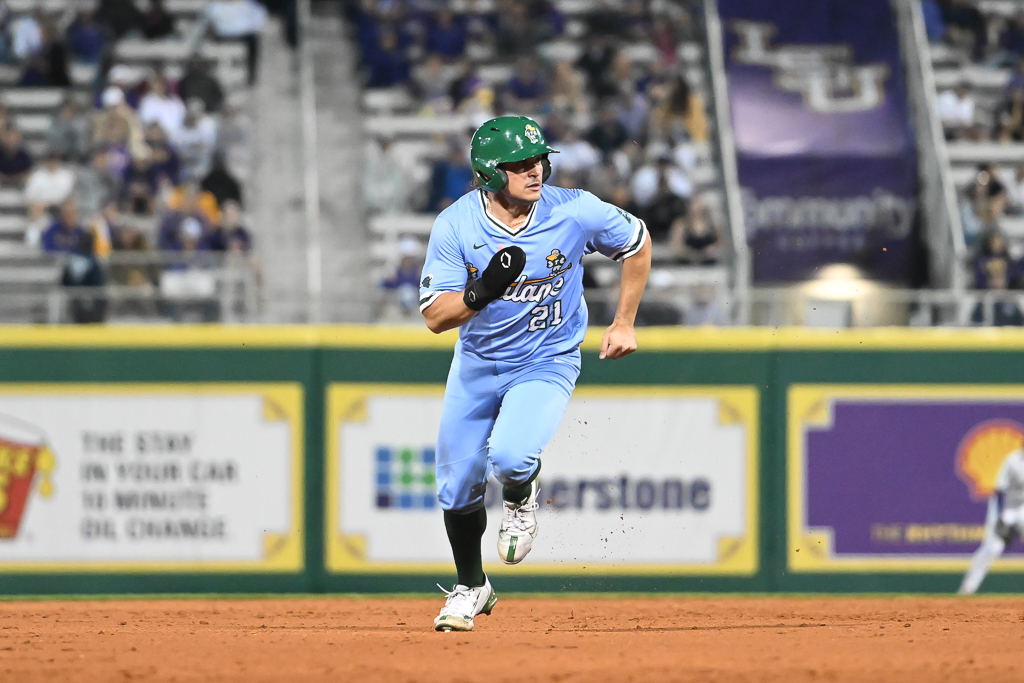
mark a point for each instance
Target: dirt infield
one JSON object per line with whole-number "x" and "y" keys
{"x": 874, "y": 640}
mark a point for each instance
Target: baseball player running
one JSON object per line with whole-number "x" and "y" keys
{"x": 1004, "y": 521}
{"x": 504, "y": 264}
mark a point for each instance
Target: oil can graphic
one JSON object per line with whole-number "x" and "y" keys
{"x": 25, "y": 458}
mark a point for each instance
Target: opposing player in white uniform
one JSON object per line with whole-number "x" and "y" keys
{"x": 504, "y": 265}
{"x": 1005, "y": 520}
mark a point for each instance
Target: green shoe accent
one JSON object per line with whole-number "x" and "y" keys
{"x": 511, "y": 557}
{"x": 490, "y": 604}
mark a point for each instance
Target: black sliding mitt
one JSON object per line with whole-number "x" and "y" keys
{"x": 504, "y": 268}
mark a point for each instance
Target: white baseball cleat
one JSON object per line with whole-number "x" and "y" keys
{"x": 463, "y": 604}
{"x": 519, "y": 527}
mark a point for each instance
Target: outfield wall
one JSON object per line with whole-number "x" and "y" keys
{"x": 301, "y": 459}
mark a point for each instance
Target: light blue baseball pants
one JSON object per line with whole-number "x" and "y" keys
{"x": 498, "y": 416}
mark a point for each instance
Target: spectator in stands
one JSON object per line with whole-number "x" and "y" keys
{"x": 233, "y": 137}
{"x": 170, "y": 237}
{"x": 163, "y": 159}
{"x": 1015, "y": 193}
{"x": 197, "y": 82}
{"x": 6, "y": 48}
{"x": 576, "y": 156}
{"x": 27, "y": 35}
{"x": 231, "y": 236}
{"x": 50, "y": 184}
{"x": 15, "y": 161}
{"x": 241, "y": 20}
{"x": 519, "y": 32}
{"x": 450, "y": 179}
{"x": 608, "y": 133}
{"x": 525, "y": 91}
{"x": 966, "y": 25}
{"x": 681, "y": 114}
{"x": 192, "y": 199}
{"x": 934, "y": 24}
{"x": 995, "y": 269}
{"x": 595, "y": 63}
{"x": 446, "y": 36}
{"x": 388, "y": 64}
{"x": 127, "y": 237}
{"x": 220, "y": 183}
{"x": 95, "y": 186}
{"x": 121, "y": 17}
{"x": 385, "y": 183}
{"x": 48, "y": 67}
{"x": 956, "y": 110}
{"x": 651, "y": 179}
{"x": 137, "y": 199}
{"x": 666, "y": 207}
{"x": 69, "y": 134}
{"x": 117, "y": 123}
{"x": 85, "y": 39}
{"x": 83, "y": 269}
{"x": 432, "y": 86}
{"x": 694, "y": 238}
{"x": 157, "y": 22}
{"x": 567, "y": 91}
{"x": 161, "y": 106}
{"x": 64, "y": 232}
{"x": 1011, "y": 43}
{"x": 102, "y": 226}
{"x": 465, "y": 84}
{"x": 196, "y": 140}
{"x": 405, "y": 280}
{"x": 666, "y": 39}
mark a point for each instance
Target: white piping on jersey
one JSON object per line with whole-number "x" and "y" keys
{"x": 636, "y": 242}
{"x": 484, "y": 201}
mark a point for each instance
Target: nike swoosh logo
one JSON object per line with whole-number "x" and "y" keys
{"x": 479, "y": 246}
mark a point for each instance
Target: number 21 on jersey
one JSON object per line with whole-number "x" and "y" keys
{"x": 543, "y": 317}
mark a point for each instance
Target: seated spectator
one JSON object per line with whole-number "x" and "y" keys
{"x": 231, "y": 236}
{"x": 103, "y": 226}
{"x": 27, "y": 35}
{"x": 85, "y": 38}
{"x": 121, "y": 17}
{"x": 1011, "y": 44}
{"x": 235, "y": 20}
{"x": 446, "y": 36}
{"x": 694, "y": 237}
{"x": 48, "y": 67}
{"x": 196, "y": 140}
{"x": 15, "y": 161}
{"x": 51, "y": 183}
{"x": 608, "y": 133}
{"x": 525, "y": 91}
{"x": 388, "y": 64}
{"x": 385, "y": 186}
{"x": 233, "y": 138}
{"x": 170, "y": 237}
{"x": 69, "y": 134}
{"x": 595, "y": 63}
{"x": 164, "y": 161}
{"x": 1015, "y": 193}
{"x": 576, "y": 156}
{"x": 665, "y": 208}
{"x": 450, "y": 179}
{"x": 567, "y": 90}
{"x": 995, "y": 270}
{"x": 127, "y": 237}
{"x": 430, "y": 84}
{"x": 663, "y": 174}
{"x": 956, "y": 110}
{"x": 83, "y": 269}
{"x": 681, "y": 114}
{"x": 220, "y": 183}
{"x": 405, "y": 281}
{"x": 117, "y": 124}
{"x": 633, "y": 112}
{"x": 197, "y": 82}
{"x": 157, "y": 22}
{"x": 95, "y": 186}
{"x": 521, "y": 30}
{"x": 190, "y": 200}
{"x": 934, "y": 24}
{"x": 163, "y": 107}
{"x": 966, "y": 25}
{"x": 137, "y": 198}
{"x": 65, "y": 232}
{"x": 666, "y": 40}
{"x": 465, "y": 84}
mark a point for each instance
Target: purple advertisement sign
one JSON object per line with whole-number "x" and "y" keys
{"x": 825, "y": 150}
{"x": 903, "y": 476}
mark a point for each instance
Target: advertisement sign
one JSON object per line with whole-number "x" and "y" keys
{"x": 825, "y": 152}
{"x": 638, "y": 479}
{"x": 896, "y": 477}
{"x": 150, "y": 477}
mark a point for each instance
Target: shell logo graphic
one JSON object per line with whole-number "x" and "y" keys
{"x": 23, "y": 455}
{"x": 982, "y": 453}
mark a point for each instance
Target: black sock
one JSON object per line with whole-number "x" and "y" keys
{"x": 464, "y": 534}
{"x": 518, "y": 494}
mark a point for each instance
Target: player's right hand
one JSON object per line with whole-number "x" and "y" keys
{"x": 505, "y": 267}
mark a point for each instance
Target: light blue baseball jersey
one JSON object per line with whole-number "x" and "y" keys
{"x": 543, "y": 313}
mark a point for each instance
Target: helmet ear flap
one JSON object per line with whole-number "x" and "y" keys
{"x": 545, "y": 164}
{"x": 497, "y": 184}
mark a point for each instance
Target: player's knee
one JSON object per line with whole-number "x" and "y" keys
{"x": 512, "y": 465}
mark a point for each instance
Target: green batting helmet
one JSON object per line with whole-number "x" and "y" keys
{"x": 506, "y": 138}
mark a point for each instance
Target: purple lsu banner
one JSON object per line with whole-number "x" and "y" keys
{"x": 824, "y": 147}
{"x": 896, "y": 477}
